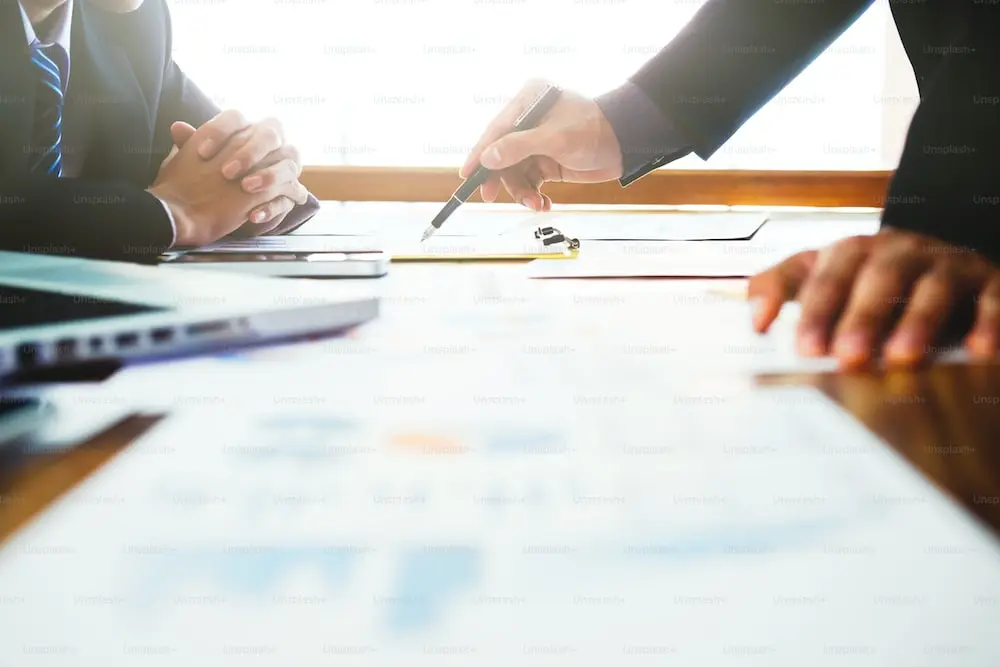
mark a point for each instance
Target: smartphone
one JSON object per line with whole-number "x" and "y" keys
{"x": 371, "y": 264}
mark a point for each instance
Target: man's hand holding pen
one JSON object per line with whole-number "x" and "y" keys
{"x": 527, "y": 117}
{"x": 573, "y": 143}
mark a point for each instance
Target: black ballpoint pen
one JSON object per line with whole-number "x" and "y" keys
{"x": 531, "y": 116}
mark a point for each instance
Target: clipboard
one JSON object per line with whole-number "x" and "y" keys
{"x": 548, "y": 243}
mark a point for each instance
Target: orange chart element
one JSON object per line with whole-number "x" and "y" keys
{"x": 428, "y": 443}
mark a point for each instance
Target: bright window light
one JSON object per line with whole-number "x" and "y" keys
{"x": 414, "y": 82}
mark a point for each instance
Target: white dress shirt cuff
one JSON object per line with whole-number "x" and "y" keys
{"x": 173, "y": 223}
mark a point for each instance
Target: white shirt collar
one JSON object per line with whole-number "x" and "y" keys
{"x": 61, "y": 28}
{"x": 59, "y": 34}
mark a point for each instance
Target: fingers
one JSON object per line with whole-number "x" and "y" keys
{"x": 263, "y": 139}
{"x": 825, "y": 292}
{"x": 490, "y": 189}
{"x": 272, "y": 212}
{"x": 983, "y": 341}
{"x": 929, "y": 306}
{"x": 535, "y": 179}
{"x": 284, "y": 171}
{"x": 883, "y": 284}
{"x": 548, "y": 169}
{"x": 515, "y": 147}
{"x": 523, "y": 182}
{"x": 502, "y": 124}
{"x": 772, "y": 288}
{"x": 523, "y": 188}
{"x": 267, "y": 202}
{"x": 295, "y": 191}
{"x": 181, "y": 132}
{"x": 215, "y": 134}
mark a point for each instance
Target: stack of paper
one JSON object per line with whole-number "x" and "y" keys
{"x": 401, "y": 220}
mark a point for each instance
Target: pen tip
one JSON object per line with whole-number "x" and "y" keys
{"x": 428, "y": 233}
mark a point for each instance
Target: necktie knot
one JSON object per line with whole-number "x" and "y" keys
{"x": 46, "y": 153}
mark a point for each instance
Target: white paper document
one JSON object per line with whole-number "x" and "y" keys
{"x": 700, "y": 525}
{"x": 401, "y": 220}
{"x": 665, "y": 259}
{"x": 657, "y": 226}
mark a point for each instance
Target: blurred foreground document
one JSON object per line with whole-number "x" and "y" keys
{"x": 543, "y": 345}
{"x": 698, "y": 524}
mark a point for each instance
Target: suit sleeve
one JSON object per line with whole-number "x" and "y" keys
{"x": 947, "y": 184}
{"x": 731, "y": 59}
{"x": 92, "y": 219}
{"x": 646, "y": 137}
{"x": 182, "y": 100}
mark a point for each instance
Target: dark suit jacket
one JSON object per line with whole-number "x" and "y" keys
{"x": 735, "y": 55}
{"x": 124, "y": 92}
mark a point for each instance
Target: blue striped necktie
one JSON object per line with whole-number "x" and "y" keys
{"x": 46, "y": 154}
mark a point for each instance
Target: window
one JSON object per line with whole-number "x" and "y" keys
{"x": 414, "y": 82}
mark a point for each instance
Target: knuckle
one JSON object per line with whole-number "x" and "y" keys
{"x": 910, "y": 243}
{"x": 267, "y": 178}
{"x": 852, "y": 245}
{"x": 942, "y": 277}
{"x": 882, "y": 273}
{"x": 239, "y": 119}
{"x": 988, "y": 299}
{"x": 270, "y": 137}
{"x": 822, "y": 283}
{"x": 237, "y": 140}
{"x": 299, "y": 193}
{"x": 290, "y": 169}
{"x": 214, "y": 131}
{"x": 992, "y": 289}
{"x": 231, "y": 118}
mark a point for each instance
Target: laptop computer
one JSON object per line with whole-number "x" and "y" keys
{"x": 58, "y": 311}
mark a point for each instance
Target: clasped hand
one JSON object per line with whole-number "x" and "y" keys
{"x": 226, "y": 173}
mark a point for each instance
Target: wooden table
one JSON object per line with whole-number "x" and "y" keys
{"x": 944, "y": 420}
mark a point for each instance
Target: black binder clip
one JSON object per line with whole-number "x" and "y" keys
{"x": 551, "y": 236}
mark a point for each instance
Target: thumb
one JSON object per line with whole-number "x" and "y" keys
{"x": 181, "y": 133}
{"x": 515, "y": 147}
